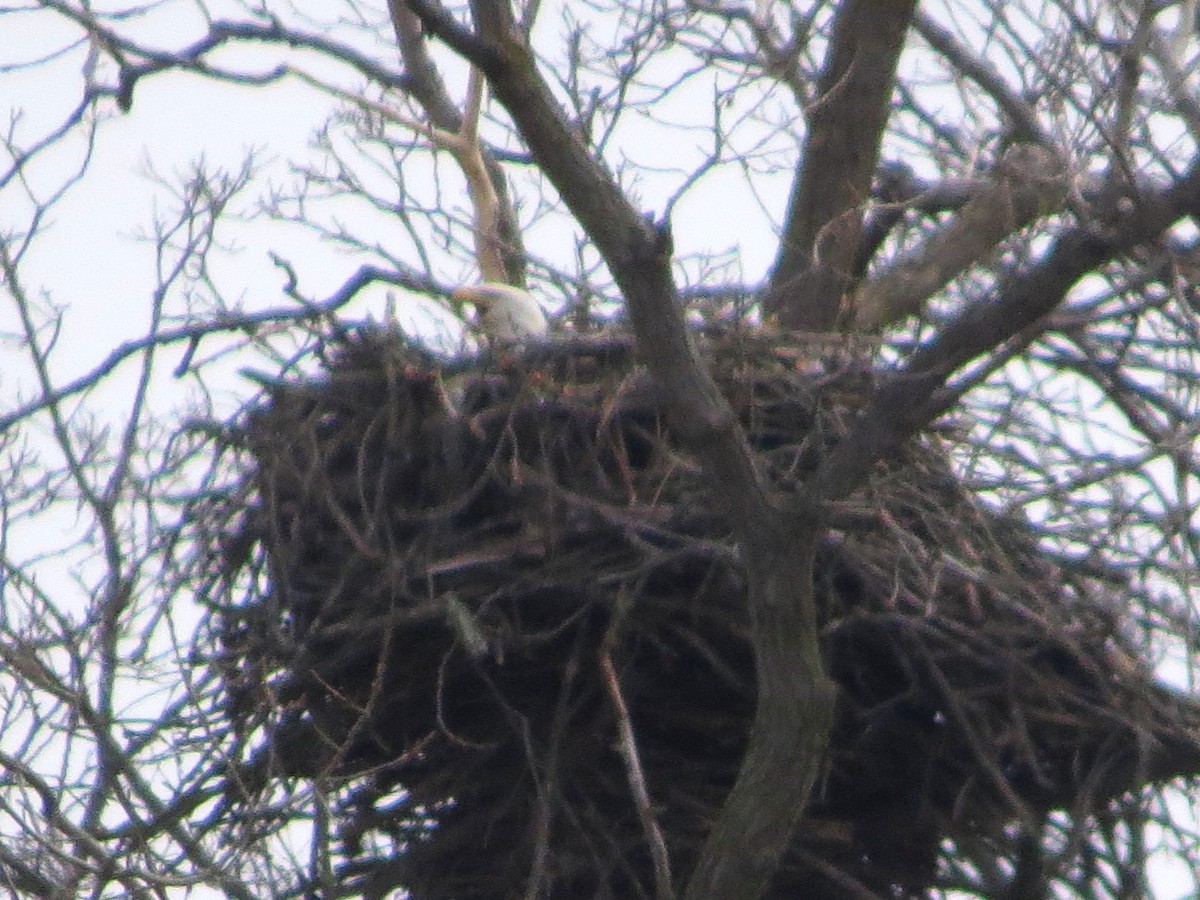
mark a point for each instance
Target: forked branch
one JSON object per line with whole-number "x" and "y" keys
{"x": 464, "y": 145}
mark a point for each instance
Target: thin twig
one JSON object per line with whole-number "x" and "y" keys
{"x": 637, "y": 781}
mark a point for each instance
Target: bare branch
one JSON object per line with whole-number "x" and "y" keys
{"x": 1025, "y": 126}
{"x": 426, "y": 87}
{"x": 637, "y": 781}
{"x": 917, "y": 394}
{"x": 1027, "y": 186}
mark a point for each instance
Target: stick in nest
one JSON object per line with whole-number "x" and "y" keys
{"x": 637, "y": 781}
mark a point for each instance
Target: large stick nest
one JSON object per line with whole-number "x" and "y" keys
{"x": 451, "y": 553}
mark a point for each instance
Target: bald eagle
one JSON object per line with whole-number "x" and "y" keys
{"x": 507, "y": 314}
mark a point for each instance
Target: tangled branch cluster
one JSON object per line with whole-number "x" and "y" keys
{"x": 458, "y": 556}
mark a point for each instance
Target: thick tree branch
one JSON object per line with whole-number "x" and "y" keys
{"x": 824, "y": 218}
{"x": 918, "y": 393}
{"x": 792, "y": 722}
{"x": 424, "y": 81}
{"x": 899, "y": 191}
{"x": 1028, "y": 184}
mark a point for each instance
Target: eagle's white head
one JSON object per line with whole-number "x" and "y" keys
{"x": 507, "y": 314}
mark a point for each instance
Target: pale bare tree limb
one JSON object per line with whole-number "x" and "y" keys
{"x": 425, "y": 85}
{"x": 464, "y": 145}
{"x": 1027, "y": 185}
